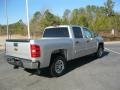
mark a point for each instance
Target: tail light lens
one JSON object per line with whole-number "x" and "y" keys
{"x": 35, "y": 51}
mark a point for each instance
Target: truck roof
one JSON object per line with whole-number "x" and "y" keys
{"x": 62, "y": 26}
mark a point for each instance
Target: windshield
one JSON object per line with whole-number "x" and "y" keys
{"x": 56, "y": 32}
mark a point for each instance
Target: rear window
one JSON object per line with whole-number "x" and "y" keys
{"x": 56, "y": 32}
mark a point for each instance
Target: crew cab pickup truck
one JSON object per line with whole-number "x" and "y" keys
{"x": 58, "y": 45}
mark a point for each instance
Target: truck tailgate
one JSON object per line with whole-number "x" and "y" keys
{"x": 18, "y": 48}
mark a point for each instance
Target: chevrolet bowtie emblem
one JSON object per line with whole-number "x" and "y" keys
{"x": 15, "y": 49}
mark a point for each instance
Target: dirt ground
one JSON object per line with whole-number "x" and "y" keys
{"x": 3, "y": 38}
{"x": 1, "y": 47}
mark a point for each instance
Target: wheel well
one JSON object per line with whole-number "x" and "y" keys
{"x": 61, "y": 52}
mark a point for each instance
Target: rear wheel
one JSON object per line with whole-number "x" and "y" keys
{"x": 15, "y": 67}
{"x": 38, "y": 71}
{"x": 58, "y": 66}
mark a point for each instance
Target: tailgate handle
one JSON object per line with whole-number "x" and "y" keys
{"x": 16, "y": 44}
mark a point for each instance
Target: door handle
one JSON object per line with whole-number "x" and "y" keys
{"x": 88, "y": 41}
{"x": 77, "y": 42}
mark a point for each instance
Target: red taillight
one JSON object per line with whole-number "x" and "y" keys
{"x": 35, "y": 51}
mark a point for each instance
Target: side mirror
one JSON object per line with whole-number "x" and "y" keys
{"x": 95, "y": 34}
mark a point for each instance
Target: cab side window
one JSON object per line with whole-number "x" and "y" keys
{"x": 77, "y": 32}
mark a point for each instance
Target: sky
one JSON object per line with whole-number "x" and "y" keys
{"x": 16, "y": 8}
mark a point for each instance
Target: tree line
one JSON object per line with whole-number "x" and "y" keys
{"x": 97, "y": 18}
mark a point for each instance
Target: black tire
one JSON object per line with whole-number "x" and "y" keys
{"x": 16, "y": 67}
{"x": 58, "y": 66}
{"x": 100, "y": 51}
{"x": 38, "y": 71}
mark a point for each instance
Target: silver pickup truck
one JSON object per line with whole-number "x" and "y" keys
{"x": 58, "y": 45}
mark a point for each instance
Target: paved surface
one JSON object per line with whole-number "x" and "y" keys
{"x": 82, "y": 74}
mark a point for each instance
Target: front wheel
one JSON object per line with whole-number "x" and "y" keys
{"x": 100, "y": 51}
{"x": 58, "y": 66}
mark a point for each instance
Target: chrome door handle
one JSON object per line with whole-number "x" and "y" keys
{"x": 77, "y": 42}
{"x": 88, "y": 41}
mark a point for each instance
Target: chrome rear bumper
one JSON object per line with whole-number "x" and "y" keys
{"x": 23, "y": 62}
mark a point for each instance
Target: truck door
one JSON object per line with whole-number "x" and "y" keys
{"x": 78, "y": 42}
{"x": 91, "y": 44}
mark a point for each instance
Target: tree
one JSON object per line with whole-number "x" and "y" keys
{"x": 66, "y": 13}
{"x": 17, "y": 28}
{"x": 0, "y": 30}
{"x": 66, "y": 16}
{"x": 74, "y": 16}
{"x": 49, "y": 19}
{"x": 109, "y": 5}
{"x": 36, "y": 17}
{"x": 35, "y": 21}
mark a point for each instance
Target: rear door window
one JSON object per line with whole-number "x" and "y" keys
{"x": 77, "y": 32}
